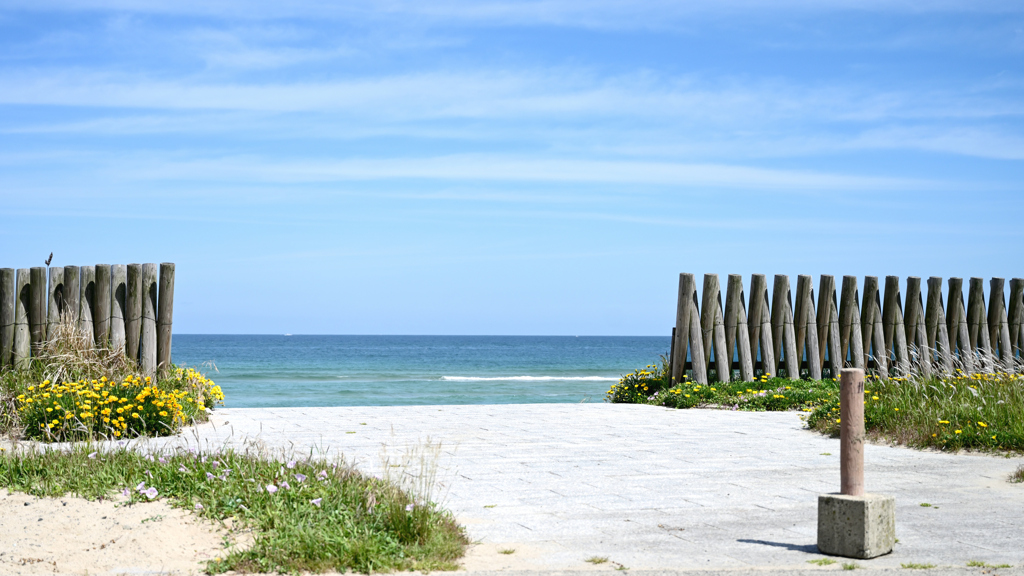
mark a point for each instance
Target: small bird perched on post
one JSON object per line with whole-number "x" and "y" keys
{"x": 50, "y": 259}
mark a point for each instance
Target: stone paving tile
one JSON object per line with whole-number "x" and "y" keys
{"x": 655, "y": 488}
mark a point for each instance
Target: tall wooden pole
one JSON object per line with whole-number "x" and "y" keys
{"x": 165, "y": 317}
{"x": 147, "y": 345}
{"x": 828, "y": 325}
{"x": 1015, "y": 317}
{"x": 957, "y": 326}
{"x": 806, "y": 326}
{"x": 892, "y": 321}
{"x": 37, "y": 308}
{"x": 85, "y": 303}
{"x": 760, "y": 324}
{"x": 7, "y": 296}
{"x": 133, "y": 312}
{"x": 783, "y": 334}
{"x": 72, "y": 286}
{"x": 737, "y": 333}
{"x": 101, "y": 306}
{"x": 938, "y": 331}
{"x": 851, "y": 431}
{"x": 118, "y": 297}
{"x": 55, "y": 300}
{"x": 713, "y": 327}
{"x": 917, "y": 335}
{"x": 999, "y": 329}
{"x": 850, "y": 336}
{"x": 22, "y": 304}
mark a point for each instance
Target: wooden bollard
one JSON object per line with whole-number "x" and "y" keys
{"x": 101, "y": 306}
{"x": 22, "y": 303}
{"x": 71, "y": 288}
{"x": 7, "y": 293}
{"x": 851, "y": 431}
{"x": 133, "y": 312}
{"x": 165, "y": 317}
{"x": 147, "y": 345}
{"x": 54, "y": 300}
{"x": 853, "y": 523}
{"x": 85, "y": 302}
{"x": 37, "y": 308}
{"x": 118, "y": 295}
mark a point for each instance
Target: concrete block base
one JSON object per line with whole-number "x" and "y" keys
{"x": 856, "y": 526}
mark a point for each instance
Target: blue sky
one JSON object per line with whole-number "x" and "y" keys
{"x": 491, "y": 167}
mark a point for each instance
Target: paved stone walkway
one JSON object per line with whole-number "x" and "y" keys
{"x": 654, "y": 488}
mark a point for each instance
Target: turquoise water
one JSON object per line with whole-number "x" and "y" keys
{"x": 265, "y": 371}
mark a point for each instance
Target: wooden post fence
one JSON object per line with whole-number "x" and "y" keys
{"x": 880, "y": 333}
{"x": 125, "y": 308}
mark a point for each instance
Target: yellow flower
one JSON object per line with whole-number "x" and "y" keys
{"x": 956, "y": 431}
{"x": 982, "y": 424}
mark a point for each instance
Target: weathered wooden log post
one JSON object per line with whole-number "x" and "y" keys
{"x": 828, "y": 326}
{"x": 688, "y": 333}
{"x": 938, "y": 332}
{"x": 895, "y": 332}
{"x": 22, "y": 304}
{"x": 871, "y": 327}
{"x": 118, "y": 297}
{"x": 1016, "y": 318}
{"x": 165, "y": 316}
{"x": 760, "y": 324}
{"x": 101, "y": 306}
{"x": 917, "y": 335}
{"x": 85, "y": 303}
{"x": 133, "y": 312}
{"x": 806, "y": 326}
{"x": 713, "y": 327}
{"x": 71, "y": 293}
{"x": 54, "y": 300}
{"x": 7, "y": 296}
{"x": 957, "y": 327}
{"x": 977, "y": 326}
{"x": 853, "y": 523}
{"x": 737, "y": 333}
{"x": 850, "y": 336}
{"x": 999, "y": 329}
{"x": 147, "y": 345}
{"x": 37, "y": 309}
{"x": 783, "y": 334}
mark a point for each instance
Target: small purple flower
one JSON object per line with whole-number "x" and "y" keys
{"x": 140, "y": 487}
{"x": 126, "y": 492}
{"x": 150, "y": 458}
{"x": 199, "y": 506}
{"x": 151, "y": 493}
{"x": 316, "y": 502}
{"x": 210, "y": 476}
{"x": 271, "y": 488}
{"x": 409, "y": 507}
{"x": 215, "y": 464}
{"x": 182, "y": 469}
{"x": 93, "y": 456}
{"x": 285, "y": 485}
{"x": 161, "y": 460}
{"x": 301, "y": 478}
{"x": 291, "y": 464}
{"x": 322, "y": 475}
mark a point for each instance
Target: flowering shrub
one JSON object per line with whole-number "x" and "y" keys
{"x": 639, "y": 385}
{"x": 59, "y": 411}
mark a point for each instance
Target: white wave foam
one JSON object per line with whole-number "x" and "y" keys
{"x": 529, "y": 378}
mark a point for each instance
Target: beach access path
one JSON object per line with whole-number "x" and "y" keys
{"x": 652, "y": 488}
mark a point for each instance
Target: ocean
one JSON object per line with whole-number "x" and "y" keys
{"x": 277, "y": 371}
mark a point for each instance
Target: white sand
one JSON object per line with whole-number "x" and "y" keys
{"x": 76, "y": 536}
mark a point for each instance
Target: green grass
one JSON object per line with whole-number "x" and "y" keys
{"x": 305, "y": 515}
{"x": 916, "y": 566}
{"x": 597, "y": 559}
{"x": 822, "y": 561}
{"x": 507, "y": 551}
{"x": 980, "y": 564}
{"x": 977, "y": 412}
{"x": 1018, "y": 475}
{"x": 955, "y": 412}
{"x": 850, "y": 566}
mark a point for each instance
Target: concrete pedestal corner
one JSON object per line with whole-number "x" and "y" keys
{"x": 856, "y": 526}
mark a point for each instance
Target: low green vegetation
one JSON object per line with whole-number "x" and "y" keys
{"x": 1018, "y": 475}
{"x": 73, "y": 390}
{"x": 916, "y": 566}
{"x": 850, "y": 566}
{"x": 304, "y": 514}
{"x": 980, "y": 564}
{"x": 597, "y": 559}
{"x": 958, "y": 411}
{"x": 822, "y": 561}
